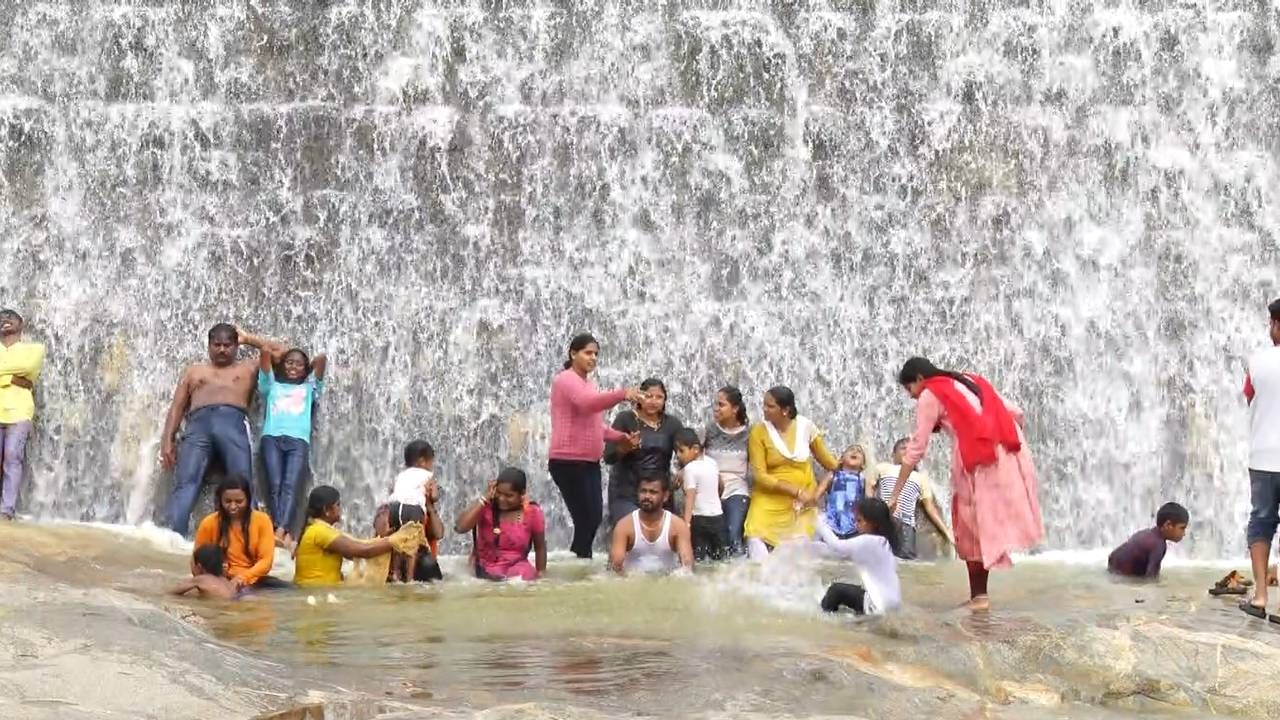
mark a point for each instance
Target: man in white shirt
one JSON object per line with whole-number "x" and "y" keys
{"x": 1262, "y": 391}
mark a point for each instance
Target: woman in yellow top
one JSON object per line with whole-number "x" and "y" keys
{"x": 322, "y": 547}
{"x": 784, "y": 498}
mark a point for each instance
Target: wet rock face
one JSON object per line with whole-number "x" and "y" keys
{"x": 1074, "y": 199}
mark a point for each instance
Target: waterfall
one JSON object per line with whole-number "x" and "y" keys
{"x": 1076, "y": 198}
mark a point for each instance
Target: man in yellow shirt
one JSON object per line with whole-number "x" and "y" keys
{"x": 20, "y": 364}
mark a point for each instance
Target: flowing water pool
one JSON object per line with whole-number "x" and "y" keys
{"x": 1065, "y": 641}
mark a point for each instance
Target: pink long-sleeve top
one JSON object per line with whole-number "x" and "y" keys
{"x": 578, "y": 430}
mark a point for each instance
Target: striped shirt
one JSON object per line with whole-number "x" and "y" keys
{"x": 906, "y": 513}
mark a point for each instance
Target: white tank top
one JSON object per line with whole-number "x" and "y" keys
{"x": 652, "y": 557}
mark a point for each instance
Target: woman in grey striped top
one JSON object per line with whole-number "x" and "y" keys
{"x": 725, "y": 441}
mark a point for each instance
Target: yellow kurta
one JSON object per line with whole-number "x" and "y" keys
{"x": 772, "y": 516}
{"x": 23, "y": 359}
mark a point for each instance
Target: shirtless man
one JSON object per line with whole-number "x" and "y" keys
{"x": 651, "y": 539}
{"x": 213, "y": 398}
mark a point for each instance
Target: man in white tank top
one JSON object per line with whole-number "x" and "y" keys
{"x": 1262, "y": 391}
{"x": 651, "y": 540}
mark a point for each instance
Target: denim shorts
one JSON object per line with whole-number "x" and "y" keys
{"x": 1264, "y": 493}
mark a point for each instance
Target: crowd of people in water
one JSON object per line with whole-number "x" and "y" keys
{"x": 676, "y": 495}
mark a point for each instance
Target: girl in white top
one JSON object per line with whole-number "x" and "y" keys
{"x": 872, "y": 550}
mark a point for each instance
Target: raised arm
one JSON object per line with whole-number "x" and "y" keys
{"x": 266, "y": 346}
{"x": 470, "y": 517}
{"x": 822, "y": 454}
{"x": 318, "y": 365}
{"x": 928, "y": 413}
{"x": 584, "y": 398}
{"x": 177, "y": 409}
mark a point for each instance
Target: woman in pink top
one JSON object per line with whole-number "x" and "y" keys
{"x": 506, "y": 526}
{"x": 994, "y": 509}
{"x": 578, "y": 432}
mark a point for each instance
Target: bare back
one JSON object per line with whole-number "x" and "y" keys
{"x": 230, "y": 385}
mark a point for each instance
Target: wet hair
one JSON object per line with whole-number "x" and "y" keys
{"x": 518, "y": 481}
{"x": 6, "y": 312}
{"x": 785, "y": 399}
{"x": 900, "y": 443}
{"x": 579, "y": 342}
{"x": 1273, "y": 308}
{"x": 734, "y": 396}
{"x": 306, "y": 364}
{"x": 222, "y": 329}
{"x": 876, "y": 513}
{"x": 1172, "y": 512}
{"x": 662, "y": 480}
{"x": 418, "y": 450}
{"x": 209, "y": 557}
{"x": 322, "y": 497}
{"x": 234, "y": 482}
{"x": 687, "y": 437}
{"x": 651, "y": 383}
{"x": 918, "y": 368}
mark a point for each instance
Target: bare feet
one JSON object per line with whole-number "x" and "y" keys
{"x": 978, "y": 603}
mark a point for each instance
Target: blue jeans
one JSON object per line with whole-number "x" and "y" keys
{"x": 220, "y": 429}
{"x": 13, "y": 441}
{"x": 287, "y": 462}
{"x": 735, "y": 516}
{"x": 1264, "y": 494}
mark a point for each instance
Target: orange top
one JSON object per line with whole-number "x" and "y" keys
{"x": 250, "y": 563}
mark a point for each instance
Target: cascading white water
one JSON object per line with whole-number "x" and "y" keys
{"x": 1075, "y": 198}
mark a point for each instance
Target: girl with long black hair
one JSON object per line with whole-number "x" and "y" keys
{"x": 994, "y": 509}
{"x": 244, "y": 534}
{"x": 873, "y": 550}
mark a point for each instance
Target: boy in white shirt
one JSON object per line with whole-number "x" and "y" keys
{"x": 413, "y": 498}
{"x": 702, "y": 511}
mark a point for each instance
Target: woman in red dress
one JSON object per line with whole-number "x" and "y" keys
{"x": 994, "y": 510}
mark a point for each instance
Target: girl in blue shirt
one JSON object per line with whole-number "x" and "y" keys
{"x": 289, "y": 388}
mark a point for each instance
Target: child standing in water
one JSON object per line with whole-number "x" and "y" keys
{"x": 703, "y": 512}
{"x": 506, "y": 527}
{"x": 290, "y": 385}
{"x": 847, "y": 486}
{"x": 873, "y": 550}
{"x": 413, "y": 499}
{"x": 206, "y": 576}
{"x": 1142, "y": 555}
{"x": 916, "y": 490}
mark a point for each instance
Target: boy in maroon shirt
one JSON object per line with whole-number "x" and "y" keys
{"x": 1142, "y": 554}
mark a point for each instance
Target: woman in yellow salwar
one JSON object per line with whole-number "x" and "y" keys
{"x": 784, "y": 499}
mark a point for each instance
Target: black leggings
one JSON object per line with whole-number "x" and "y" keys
{"x": 579, "y": 483}
{"x": 846, "y": 594}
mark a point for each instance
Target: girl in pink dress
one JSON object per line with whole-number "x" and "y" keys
{"x": 994, "y": 510}
{"x": 506, "y": 527}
